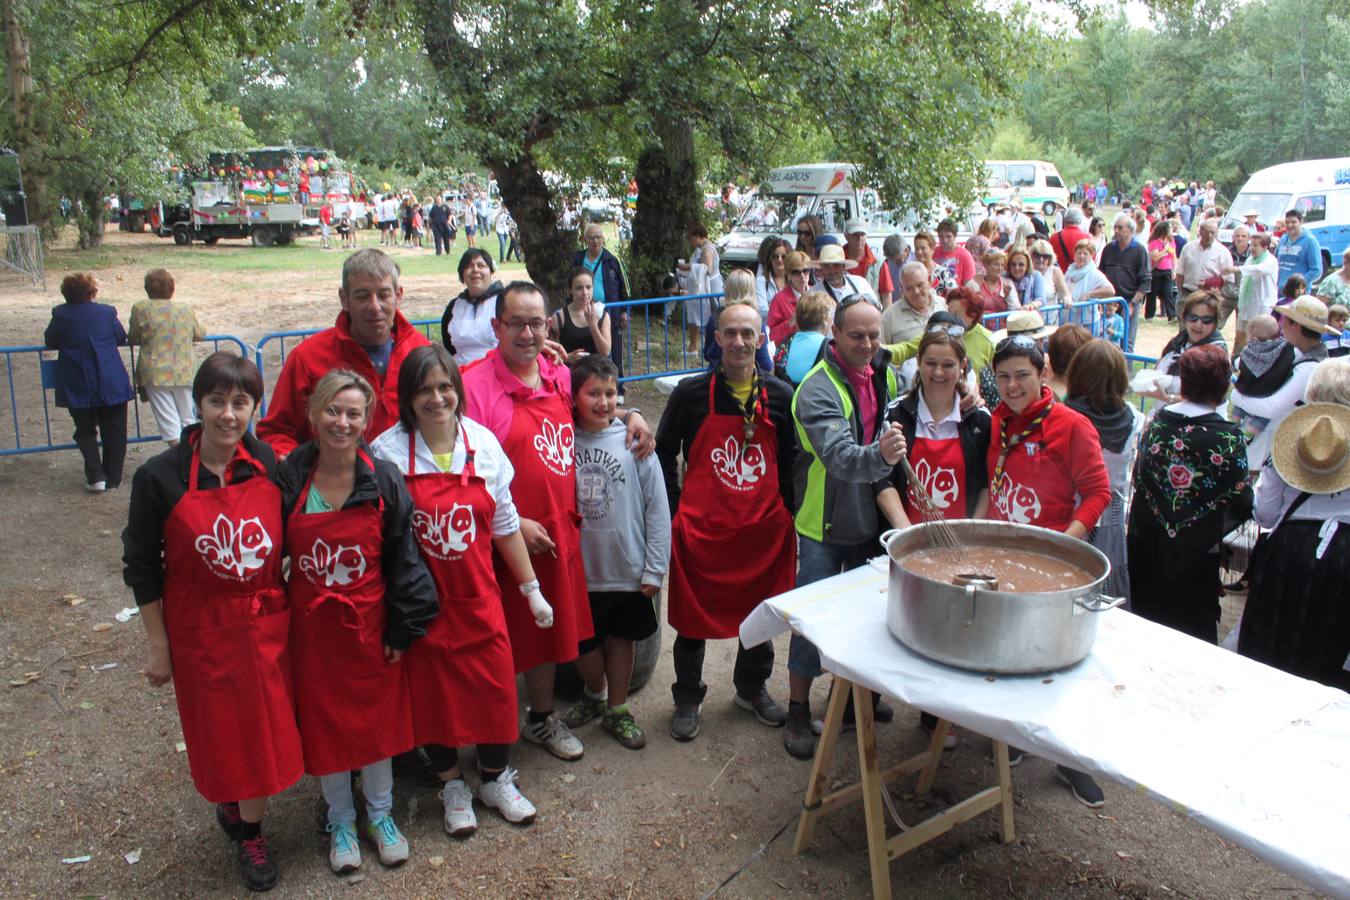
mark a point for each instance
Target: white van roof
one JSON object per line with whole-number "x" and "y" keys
{"x": 815, "y": 178}
{"x": 1308, "y": 174}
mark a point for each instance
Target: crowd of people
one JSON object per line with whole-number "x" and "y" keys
{"x": 461, "y": 513}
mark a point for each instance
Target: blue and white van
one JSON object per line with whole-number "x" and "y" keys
{"x": 1317, "y": 188}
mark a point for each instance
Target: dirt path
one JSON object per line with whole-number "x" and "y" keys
{"x": 88, "y": 751}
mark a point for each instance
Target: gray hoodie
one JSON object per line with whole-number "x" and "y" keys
{"x": 625, "y": 527}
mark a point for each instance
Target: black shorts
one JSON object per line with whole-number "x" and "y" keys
{"x": 623, "y": 614}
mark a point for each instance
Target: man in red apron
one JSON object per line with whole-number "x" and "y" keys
{"x": 371, "y": 337}
{"x": 732, "y": 541}
{"x": 526, "y": 401}
{"x": 843, "y": 473}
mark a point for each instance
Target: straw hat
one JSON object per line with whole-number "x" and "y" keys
{"x": 1309, "y": 312}
{"x": 1025, "y": 322}
{"x": 1311, "y": 449}
{"x": 834, "y": 254}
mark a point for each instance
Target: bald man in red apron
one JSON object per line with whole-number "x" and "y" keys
{"x": 732, "y": 539}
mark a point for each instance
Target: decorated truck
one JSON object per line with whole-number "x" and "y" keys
{"x": 270, "y": 195}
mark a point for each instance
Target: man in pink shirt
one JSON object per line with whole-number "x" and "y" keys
{"x": 1064, "y": 240}
{"x": 955, "y": 258}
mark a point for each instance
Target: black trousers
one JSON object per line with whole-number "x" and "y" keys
{"x": 110, "y": 424}
{"x": 441, "y": 233}
{"x": 491, "y": 757}
{"x": 754, "y": 665}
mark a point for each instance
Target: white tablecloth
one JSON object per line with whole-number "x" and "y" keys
{"x": 1258, "y": 756}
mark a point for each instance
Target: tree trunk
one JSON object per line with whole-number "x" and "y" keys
{"x": 668, "y": 201}
{"x": 90, "y": 220}
{"x": 28, "y": 140}
{"x": 548, "y": 249}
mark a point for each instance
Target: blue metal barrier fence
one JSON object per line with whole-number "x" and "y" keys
{"x": 30, "y": 377}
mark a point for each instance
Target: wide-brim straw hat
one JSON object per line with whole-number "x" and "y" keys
{"x": 834, "y": 254}
{"x": 1311, "y": 450}
{"x": 1309, "y": 312}
{"x": 1026, "y": 323}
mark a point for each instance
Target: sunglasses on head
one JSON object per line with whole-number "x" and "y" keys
{"x": 1203, "y": 320}
{"x": 858, "y": 298}
{"x": 949, "y": 328}
{"x": 1021, "y": 341}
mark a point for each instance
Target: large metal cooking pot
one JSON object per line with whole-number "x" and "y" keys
{"x": 972, "y": 627}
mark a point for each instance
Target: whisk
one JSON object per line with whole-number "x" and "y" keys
{"x": 940, "y": 532}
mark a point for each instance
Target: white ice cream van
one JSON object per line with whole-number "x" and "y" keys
{"x": 1317, "y": 188}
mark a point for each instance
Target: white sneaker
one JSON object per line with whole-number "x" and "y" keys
{"x": 460, "y": 821}
{"x": 503, "y": 796}
{"x": 96, "y": 487}
{"x": 388, "y": 840}
{"x": 344, "y": 851}
{"x": 554, "y": 735}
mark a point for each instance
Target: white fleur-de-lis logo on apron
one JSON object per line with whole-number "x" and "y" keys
{"x": 737, "y": 464}
{"x": 440, "y": 533}
{"x": 554, "y": 445}
{"x": 235, "y": 548}
{"x": 335, "y": 566}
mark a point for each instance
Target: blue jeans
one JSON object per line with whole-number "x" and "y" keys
{"x": 502, "y": 241}
{"x": 816, "y": 562}
{"x": 377, "y": 785}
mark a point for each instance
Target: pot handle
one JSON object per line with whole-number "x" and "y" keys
{"x": 970, "y": 605}
{"x": 885, "y": 539}
{"x": 1097, "y": 602}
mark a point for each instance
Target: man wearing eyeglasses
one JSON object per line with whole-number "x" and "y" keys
{"x": 370, "y": 337}
{"x": 525, "y": 399}
{"x": 842, "y": 478}
{"x": 835, "y": 278}
{"x": 608, "y": 287}
{"x": 1204, "y": 263}
{"x": 908, "y": 317}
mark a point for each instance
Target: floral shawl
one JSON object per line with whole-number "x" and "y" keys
{"x": 1190, "y": 468}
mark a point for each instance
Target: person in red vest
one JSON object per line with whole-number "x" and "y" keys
{"x": 371, "y": 338}
{"x": 1064, "y": 240}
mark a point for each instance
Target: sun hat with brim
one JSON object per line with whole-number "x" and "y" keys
{"x": 833, "y": 254}
{"x": 1309, "y": 312}
{"x": 1250, "y": 214}
{"x": 1311, "y": 450}
{"x": 1024, "y": 323}
{"x": 855, "y": 226}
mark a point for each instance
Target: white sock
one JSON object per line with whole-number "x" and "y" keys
{"x": 602, "y": 695}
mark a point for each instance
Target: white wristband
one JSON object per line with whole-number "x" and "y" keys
{"x": 529, "y": 587}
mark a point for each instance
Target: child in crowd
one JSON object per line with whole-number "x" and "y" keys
{"x": 1294, "y": 288}
{"x": 1263, "y": 367}
{"x": 1337, "y": 315}
{"x": 1115, "y": 325}
{"x": 346, "y": 231}
{"x": 625, "y": 545}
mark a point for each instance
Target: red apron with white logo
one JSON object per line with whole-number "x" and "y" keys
{"x": 941, "y": 467}
{"x": 732, "y": 542}
{"x": 352, "y": 706}
{"x": 539, "y": 445}
{"x": 461, "y": 680}
{"x": 1035, "y": 486}
{"x": 226, "y": 613}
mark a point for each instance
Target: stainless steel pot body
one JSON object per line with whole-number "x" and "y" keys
{"x": 996, "y": 631}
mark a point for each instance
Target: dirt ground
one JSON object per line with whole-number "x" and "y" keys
{"x": 90, "y": 765}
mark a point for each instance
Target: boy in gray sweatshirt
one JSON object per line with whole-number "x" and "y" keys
{"x": 625, "y": 545}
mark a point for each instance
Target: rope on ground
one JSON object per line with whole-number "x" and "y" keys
{"x": 753, "y": 856}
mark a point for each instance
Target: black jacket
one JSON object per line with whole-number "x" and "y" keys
{"x": 688, "y": 407}
{"x": 974, "y": 433}
{"x": 156, "y": 488}
{"x": 410, "y": 594}
{"x": 1128, "y": 270}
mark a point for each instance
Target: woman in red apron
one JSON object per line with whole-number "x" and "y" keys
{"x": 359, "y": 596}
{"x": 1045, "y": 468}
{"x": 461, "y": 679}
{"x": 203, "y": 549}
{"x": 946, "y": 446}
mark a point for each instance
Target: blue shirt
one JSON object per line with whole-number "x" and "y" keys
{"x": 597, "y": 278}
{"x": 1302, "y": 257}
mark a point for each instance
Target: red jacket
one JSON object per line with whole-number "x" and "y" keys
{"x": 1063, "y": 242}
{"x": 286, "y": 425}
{"x": 1054, "y": 476}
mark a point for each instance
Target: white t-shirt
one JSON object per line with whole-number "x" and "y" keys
{"x": 471, "y": 329}
{"x": 490, "y": 463}
{"x": 388, "y": 209}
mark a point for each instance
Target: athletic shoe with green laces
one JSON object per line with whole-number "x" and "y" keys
{"x": 587, "y": 709}
{"x": 624, "y": 727}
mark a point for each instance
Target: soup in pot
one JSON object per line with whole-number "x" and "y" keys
{"x": 1017, "y": 571}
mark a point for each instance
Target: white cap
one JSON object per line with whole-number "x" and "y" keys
{"x": 855, "y": 226}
